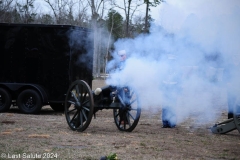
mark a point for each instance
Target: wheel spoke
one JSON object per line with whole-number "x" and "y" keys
{"x": 116, "y": 114}
{"x": 83, "y": 104}
{"x": 74, "y": 116}
{"x": 78, "y": 92}
{"x": 81, "y": 118}
{"x": 127, "y": 118}
{"x": 131, "y": 116}
{"x": 133, "y": 101}
{"x": 134, "y": 109}
{"x": 74, "y": 96}
{"x": 71, "y": 102}
{"x": 84, "y": 114}
{"x": 87, "y": 109}
{"x": 71, "y": 110}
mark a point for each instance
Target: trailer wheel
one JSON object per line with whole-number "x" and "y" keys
{"x": 29, "y": 101}
{"x": 79, "y": 105}
{"x": 5, "y": 100}
{"x": 126, "y": 118}
{"x": 58, "y": 107}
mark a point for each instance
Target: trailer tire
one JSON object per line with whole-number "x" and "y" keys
{"x": 29, "y": 101}
{"x": 58, "y": 107}
{"x": 5, "y": 100}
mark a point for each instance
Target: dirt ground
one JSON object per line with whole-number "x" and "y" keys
{"x": 47, "y": 136}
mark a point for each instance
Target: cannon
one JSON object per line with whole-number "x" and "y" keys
{"x": 82, "y": 103}
{"x": 230, "y": 124}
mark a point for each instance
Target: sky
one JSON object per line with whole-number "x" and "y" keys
{"x": 173, "y": 13}
{"x": 189, "y": 61}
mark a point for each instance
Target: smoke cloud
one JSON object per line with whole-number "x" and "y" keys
{"x": 192, "y": 54}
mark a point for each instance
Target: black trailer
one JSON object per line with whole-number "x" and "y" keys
{"x": 39, "y": 62}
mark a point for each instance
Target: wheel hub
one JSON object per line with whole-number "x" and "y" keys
{"x": 78, "y": 105}
{"x": 29, "y": 102}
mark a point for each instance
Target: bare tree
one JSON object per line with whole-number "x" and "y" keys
{"x": 82, "y": 17}
{"x": 5, "y": 9}
{"x": 97, "y": 10}
{"x": 149, "y": 4}
{"x": 129, "y": 8}
{"x": 44, "y": 18}
{"x": 27, "y": 10}
{"x": 62, "y": 10}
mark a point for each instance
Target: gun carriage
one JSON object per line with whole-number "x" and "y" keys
{"x": 81, "y": 104}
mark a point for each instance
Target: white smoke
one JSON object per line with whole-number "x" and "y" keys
{"x": 195, "y": 47}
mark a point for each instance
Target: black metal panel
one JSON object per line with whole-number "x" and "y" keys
{"x": 52, "y": 56}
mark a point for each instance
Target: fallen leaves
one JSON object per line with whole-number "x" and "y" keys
{"x": 10, "y": 131}
{"x": 6, "y": 133}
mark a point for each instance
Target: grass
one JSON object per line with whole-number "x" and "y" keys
{"x": 143, "y": 144}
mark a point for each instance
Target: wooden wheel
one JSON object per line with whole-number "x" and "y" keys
{"x": 127, "y": 116}
{"x": 79, "y": 105}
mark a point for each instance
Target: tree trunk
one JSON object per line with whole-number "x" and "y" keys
{"x": 95, "y": 41}
{"x": 127, "y": 18}
{"x": 146, "y": 18}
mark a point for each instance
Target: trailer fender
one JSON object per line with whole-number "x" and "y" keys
{"x": 16, "y": 88}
